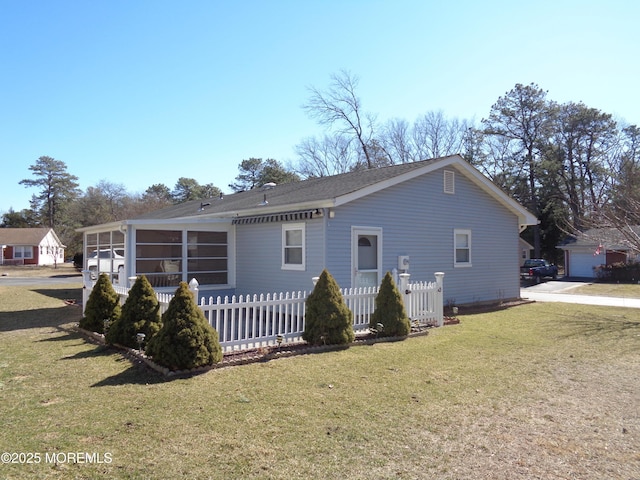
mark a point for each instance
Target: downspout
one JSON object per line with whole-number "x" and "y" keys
{"x": 325, "y": 233}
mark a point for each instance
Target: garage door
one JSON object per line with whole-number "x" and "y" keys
{"x": 581, "y": 264}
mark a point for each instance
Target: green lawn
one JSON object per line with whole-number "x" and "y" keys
{"x": 608, "y": 290}
{"x": 535, "y": 391}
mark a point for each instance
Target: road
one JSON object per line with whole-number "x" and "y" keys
{"x": 556, "y": 291}
{"x": 14, "y": 281}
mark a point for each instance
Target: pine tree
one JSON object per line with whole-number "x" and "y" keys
{"x": 390, "y": 311}
{"x": 328, "y": 320}
{"x": 140, "y": 314}
{"x": 185, "y": 340}
{"x": 103, "y": 304}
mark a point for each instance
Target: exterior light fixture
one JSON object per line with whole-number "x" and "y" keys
{"x": 140, "y": 337}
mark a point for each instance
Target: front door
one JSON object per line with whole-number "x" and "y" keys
{"x": 366, "y": 251}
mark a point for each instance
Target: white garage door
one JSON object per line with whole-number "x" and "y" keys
{"x": 582, "y": 264}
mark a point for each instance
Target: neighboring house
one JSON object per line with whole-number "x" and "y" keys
{"x": 595, "y": 247}
{"x": 30, "y": 246}
{"x": 524, "y": 249}
{"x": 423, "y": 217}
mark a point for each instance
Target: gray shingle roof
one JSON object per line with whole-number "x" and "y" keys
{"x": 22, "y": 236}
{"x": 286, "y": 195}
{"x": 608, "y": 237}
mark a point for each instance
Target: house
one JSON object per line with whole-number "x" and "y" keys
{"x": 30, "y": 246}
{"x": 595, "y": 247}
{"x": 524, "y": 249}
{"x": 418, "y": 218}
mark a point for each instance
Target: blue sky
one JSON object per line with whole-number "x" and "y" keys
{"x": 140, "y": 92}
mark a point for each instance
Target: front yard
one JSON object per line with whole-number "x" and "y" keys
{"x": 535, "y": 391}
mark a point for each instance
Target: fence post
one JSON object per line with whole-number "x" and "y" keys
{"x": 193, "y": 286}
{"x": 86, "y": 287}
{"x": 439, "y": 296}
{"x": 404, "y": 291}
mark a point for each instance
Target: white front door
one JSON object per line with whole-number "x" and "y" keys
{"x": 366, "y": 256}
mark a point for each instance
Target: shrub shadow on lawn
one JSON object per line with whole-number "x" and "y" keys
{"x": 38, "y": 318}
{"x": 71, "y": 294}
{"x": 136, "y": 374}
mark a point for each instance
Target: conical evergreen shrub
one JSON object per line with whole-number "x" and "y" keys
{"x": 390, "y": 311}
{"x": 185, "y": 340}
{"x": 140, "y": 314}
{"x": 328, "y": 320}
{"x": 103, "y": 304}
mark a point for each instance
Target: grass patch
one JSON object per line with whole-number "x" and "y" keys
{"x": 519, "y": 393}
{"x": 607, "y": 290}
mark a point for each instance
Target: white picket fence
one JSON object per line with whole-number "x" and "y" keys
{"x": 252, "y": 321}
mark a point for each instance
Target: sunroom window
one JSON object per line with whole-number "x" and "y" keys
{"x": 159, "y": 256}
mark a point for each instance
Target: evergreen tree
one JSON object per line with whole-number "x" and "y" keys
{"x": 186, "y": 340}
{"x": 328, "y": 320}
{"x": 57, "y": 189}
{"x": 390, "y": 310}
{"x": 103, "y": 304}
{"x": 140, "y": 314}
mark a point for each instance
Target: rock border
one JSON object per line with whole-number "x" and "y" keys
{"x": 245, "y": 357}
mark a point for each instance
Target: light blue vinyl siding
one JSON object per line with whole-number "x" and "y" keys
{"x": 418, "y": 219}
{"x": 259, "y": 258}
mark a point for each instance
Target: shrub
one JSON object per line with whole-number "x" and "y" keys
{"x": 103, "y": 304}
{"x": 140, "y": 314}
{"x": 185, "y": 340}
{"x": 390, "y": 310}
{"x": 328, "y": 320}
{"x": 622, "y": 272}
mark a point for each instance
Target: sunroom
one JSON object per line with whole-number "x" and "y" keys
{"x": 166, "y": 253}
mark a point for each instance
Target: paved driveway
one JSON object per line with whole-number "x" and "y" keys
{"x": 557, "y": 291}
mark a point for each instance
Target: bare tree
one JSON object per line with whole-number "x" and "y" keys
{"x": 397, "y": 142}
{"x": 436, "y": 136}
{"x": 339, "y": 107}
{"x": 331, "y": 155}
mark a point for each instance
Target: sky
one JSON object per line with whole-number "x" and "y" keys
{"x": 143, "y": 92}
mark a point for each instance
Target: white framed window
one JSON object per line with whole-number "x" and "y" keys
{"x": 462, "y": 248}
{"x": 22, "y": 251}
{"x": 449, "y": 182}
{"x": 293, "y": 246}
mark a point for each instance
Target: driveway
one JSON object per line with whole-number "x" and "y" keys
{"x": 558, "y": 291}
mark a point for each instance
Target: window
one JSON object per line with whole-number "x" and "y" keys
{"x": 21, "y": 251}
{"x": 159, "y": 256}
{"x": 104, "y": 253}
{"x": 293, "y": 254}
{"x": 207, "y": 257}
{"x": 449, "y": 181}
{"x": 462, "y": 248}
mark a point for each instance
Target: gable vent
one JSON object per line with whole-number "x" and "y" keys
{"x": 449, "y": 181}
